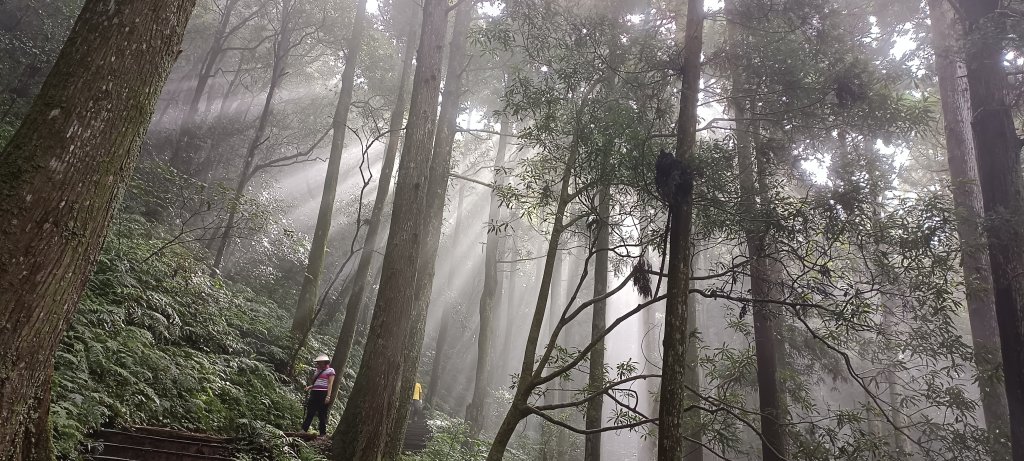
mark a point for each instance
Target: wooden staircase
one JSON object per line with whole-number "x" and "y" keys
{"x": 154, "y": 444}
{"x": 417, "y": 434}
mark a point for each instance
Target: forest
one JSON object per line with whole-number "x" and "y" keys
{"x": 558, "y": 230}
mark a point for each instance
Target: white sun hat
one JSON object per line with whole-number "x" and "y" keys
{"x": 322, "y": 358}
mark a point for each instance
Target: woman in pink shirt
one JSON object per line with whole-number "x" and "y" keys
{"x": 319, "y": 394}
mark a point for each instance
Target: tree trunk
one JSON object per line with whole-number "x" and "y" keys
{"x": 446, "y": 321}
{"x": 550, "y": 432}
{"x": 595, "y": 408}
{"x": 695, "y": 429}
{"x": 58, "y": 193}
{"x": 368, "y": 418}
{"x": 281, "y": 50}
{"x": 481, "y": 389}
{"x": 363, "y": 274}
{"x": 302, "y": 321}
{"x": 434, "y": 199}
{"x": 963, "y": 172}
{"x": 672, "y": 425}
{"x": 753, "y": 182}
{"x": 762, "y": 283}
{"x": 998, "y": 148}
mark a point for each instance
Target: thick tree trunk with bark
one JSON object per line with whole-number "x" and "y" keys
{"x": 369, "y": 416}
{"x": 302, "y": 320}
{"x": 999, "y": 173}
{"x": 282, "y": 47}
{"x": 672, "y": 424}
{"x": 481, "y": 388}
{"x": 963, "y": 172}
{"x": 363, "y": 275}
{"x": 598, "y": 323}
{"x": 58, "y": 193}
{"x": 434, "y": 199}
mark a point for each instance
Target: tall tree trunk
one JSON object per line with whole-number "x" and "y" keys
{"x": 672, "y": 425}
{"x": 963, "y": 172}
{"x": 434, "y": 199}
{"x": 308, "y": 295}
{"x": 369, "y": 416}
{"x": 446, "y": 321}
{"x": 762, "y": 283}
{"x": 753, "y": 182}
{"x": 998, "y": 149}
{"x": 481, "y": 388}
{"x": 58, "y": 193}
{"x": 282, "y": 47}
{"x": 595, "y": 408}
{"x": 363, "y": 274}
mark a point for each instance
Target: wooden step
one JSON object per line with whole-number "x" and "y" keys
{"x": 417, "y": 434}
{"x": 130, "y": 452}
{"x": 181, "y": 445}
{"x": 179, "y": 435}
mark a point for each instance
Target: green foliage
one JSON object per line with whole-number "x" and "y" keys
{"x": 450, "y": 441}
{"x": 259, "y": 441}
{"x": 156, "y": 341}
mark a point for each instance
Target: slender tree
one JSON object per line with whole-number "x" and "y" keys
{"x": 753, "y": 185}
{"x": 595, "y": 408}
{"x": 999, "y": 174}
{"x": 309, "y": 293}
{"x": 672, "y": 425}
{"x": 476, "y": 410}
{"x": 369, "y": 417}
{"x": 282, "y": 49}
{"x": 184, "y": 151}
{"x": 441, "y": 346}
{"x": 59, "y": 192}
{"x": 963, "y": 172}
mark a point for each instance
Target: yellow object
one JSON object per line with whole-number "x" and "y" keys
{"x": 416, "y": 392}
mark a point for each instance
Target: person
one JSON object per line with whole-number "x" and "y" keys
{"x": 319, "y": 400}
{"x": 417, "y": 402}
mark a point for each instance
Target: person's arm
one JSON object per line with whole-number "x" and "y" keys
{"x": 330, "y": 385}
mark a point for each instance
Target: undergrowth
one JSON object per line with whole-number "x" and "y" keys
{"x": 156, "y": 341}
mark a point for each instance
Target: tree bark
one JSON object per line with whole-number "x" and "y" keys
{"x": 434, "y": 199}
{"x": 598, "y": 323}
{"x": 672, "y": 425}
{"x": 302, "y": 320}
{"x": 363, "y": 274}
{"x": 963, "y": 172}
{"x": 282, "y": 47}
{"x": 999, "y": 172}
{"x": 695, "y": 429}
{"x": 58, "y": 192}
{"x": 369, "y": 416}
{"x": 481, "y": 388}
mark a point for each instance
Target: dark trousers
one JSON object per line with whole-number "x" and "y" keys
{"x": 316, "y": 406}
